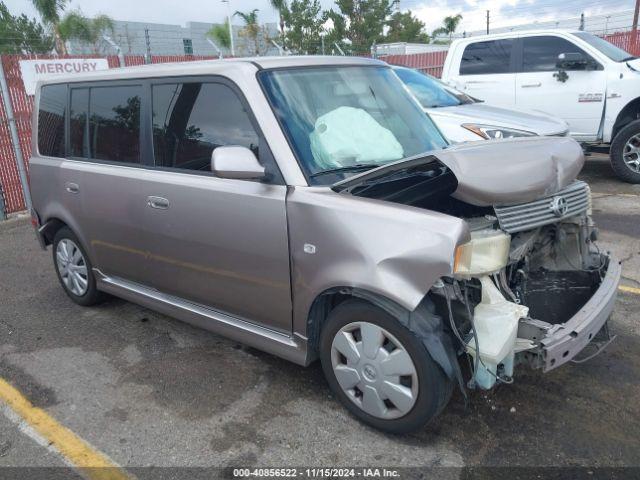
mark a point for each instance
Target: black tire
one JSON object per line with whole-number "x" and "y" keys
{"x": 434, "y": 388}
{"x": 92, "y": 295}
{"x": 621, "y": 169}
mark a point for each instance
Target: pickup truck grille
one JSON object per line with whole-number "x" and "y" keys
{"x": 572, "y": 200}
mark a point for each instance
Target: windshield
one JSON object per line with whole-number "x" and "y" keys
{"x": 431, "y": 93}
{"x": 610, "y": 50}
{"x": 342, "y": 120}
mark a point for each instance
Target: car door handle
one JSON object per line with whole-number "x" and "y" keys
{"x": 158, "y": 202}
{"x": 72, "y": 187}
{"x": 532, "y": 85}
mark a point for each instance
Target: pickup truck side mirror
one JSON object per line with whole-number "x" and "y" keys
{"x": 573, "y": 61}
{"x": 236, "y": 162}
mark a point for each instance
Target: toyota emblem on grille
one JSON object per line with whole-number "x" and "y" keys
{"x": 559, "y": 206}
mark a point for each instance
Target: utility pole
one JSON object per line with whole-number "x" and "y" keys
{"x": 148, "y": 42}
{"x": 582, "y": 21}
{"x": 228, "y": 2}
{"x": 487, "y": 22}
{"x": 635, "y": 16}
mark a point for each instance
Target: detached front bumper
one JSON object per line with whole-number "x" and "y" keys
{"x": 564, "y": 341}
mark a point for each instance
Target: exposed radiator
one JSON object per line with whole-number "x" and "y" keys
{"x": 573, "y": 200}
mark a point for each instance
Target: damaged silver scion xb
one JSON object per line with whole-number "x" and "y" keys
{"x": 309, "y": 208}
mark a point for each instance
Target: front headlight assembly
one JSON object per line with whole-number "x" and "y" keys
{"x": 489, "y": 132}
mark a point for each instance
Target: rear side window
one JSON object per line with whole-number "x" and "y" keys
{"x": 484, "y": 58}
{"x": 51, "y": 119}
{"x": 540, "y": 54}
{"x": 114, "y": 123}
{"x": 190, "y": 120}
{"x": 104, "y": 123}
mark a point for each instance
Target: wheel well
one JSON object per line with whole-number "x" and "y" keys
{"x": 331, "y": 298}
{"x": 627, "y": 115}
{"x": 51, "y": 227}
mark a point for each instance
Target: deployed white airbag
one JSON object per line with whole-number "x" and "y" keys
{"x": 347, "y": 136}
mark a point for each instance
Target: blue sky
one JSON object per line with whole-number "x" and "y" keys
{"x": 503, "y": 12}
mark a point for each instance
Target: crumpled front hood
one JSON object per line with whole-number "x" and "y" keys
{"x": 482, "y": 114}
{"x": 512, "y": 171}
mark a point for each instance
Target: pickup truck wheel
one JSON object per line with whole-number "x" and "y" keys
{"x": 74, "y": 269}
{"x": 380, "y": 370}
{"x": 625, "y": 153}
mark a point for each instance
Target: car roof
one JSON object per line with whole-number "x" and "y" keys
{"x": 515, "y": 34}
{"x": 207, "y": 67}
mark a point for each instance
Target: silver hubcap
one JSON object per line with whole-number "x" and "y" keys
{"x": 631, "y": 153}
{"x": 72, "y": 267}
{"x": 374, "y": 370}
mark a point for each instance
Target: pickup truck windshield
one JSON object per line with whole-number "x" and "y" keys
{"x": 431, "y": 93}
{"x": 610, "y": 50}
{"x": 341, "y": 120}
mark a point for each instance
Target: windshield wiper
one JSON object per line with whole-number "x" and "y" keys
{"x": 628, "y": 59}
{"x": 358, "y": 167}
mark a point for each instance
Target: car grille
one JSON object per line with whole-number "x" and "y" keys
{"x": 573, "y": 200}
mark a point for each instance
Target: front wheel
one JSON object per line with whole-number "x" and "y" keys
{"x": 625, "y": 153}
{"x": 380, "y": 370}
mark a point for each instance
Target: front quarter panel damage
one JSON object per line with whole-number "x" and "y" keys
{"x": 393, "y": 251}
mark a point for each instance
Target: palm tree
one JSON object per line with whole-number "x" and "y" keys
{"x": 50, "y": 11}
{"x": 220, "y": 35}
{"x": 449, "y": 26}
{"x": 251, "y": 26}
{"x": 75, "y": 25}
{"x": 282, "y": 8}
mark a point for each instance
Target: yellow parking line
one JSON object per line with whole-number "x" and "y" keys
{"x": 624, "y": 288}
{"x": 93, "y": 464}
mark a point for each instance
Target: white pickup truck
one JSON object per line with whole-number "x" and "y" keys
{"x": 574, "y": 75}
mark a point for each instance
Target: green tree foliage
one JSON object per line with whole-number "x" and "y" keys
{"x": 304, "y": 20}
{"x": 22, "y": 35}
{"x": 361, "y": 22}
{"x": 449, "y": 26}
{"x": 74, "y": 25}
{"x": 281, "y": 7}
{"x": 51, "y": 11}
{"x": 220, "y": 35}
{"x": 251, "y": 28}
{"x": 404, "y": 27}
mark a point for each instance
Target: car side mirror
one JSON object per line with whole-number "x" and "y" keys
{"x": 236, "y": 162}
{"x": 573, "y": 61}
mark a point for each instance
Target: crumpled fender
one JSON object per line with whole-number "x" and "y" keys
{"x": 391, "y": 250}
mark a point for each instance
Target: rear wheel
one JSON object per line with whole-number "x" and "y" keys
{"x": 380, "y": 370}
{"x": 625, "y": 153}
{"x": 74, "y": 269}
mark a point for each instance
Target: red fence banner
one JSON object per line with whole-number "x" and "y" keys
{"x": 431, "y": 62}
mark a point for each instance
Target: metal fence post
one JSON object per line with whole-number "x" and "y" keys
{"x": 3, "y": 210}
{"x": 8, "y": 109}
